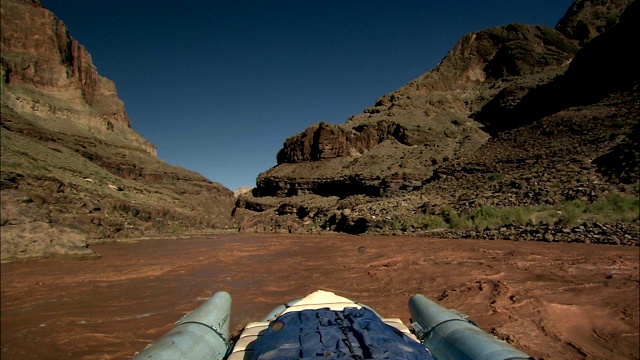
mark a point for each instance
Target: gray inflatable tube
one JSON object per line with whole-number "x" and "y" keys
{"x": 450, "y": 337}
{"x": 201, "y": 334}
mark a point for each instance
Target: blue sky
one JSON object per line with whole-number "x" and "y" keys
{"x": 218, "y": 86}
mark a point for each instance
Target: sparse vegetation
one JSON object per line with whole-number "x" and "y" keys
{"x": 571, "y": 212}
{"x": 496, "y": 176}
{"x": 611, "y": 209}
{"x": 176, "y": 229}
{"x": 615, "y": 208}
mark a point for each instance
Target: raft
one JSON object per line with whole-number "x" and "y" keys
{"x": 323, "y": 325}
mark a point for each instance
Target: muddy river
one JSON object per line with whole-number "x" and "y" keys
{"x": 553, "y": 301}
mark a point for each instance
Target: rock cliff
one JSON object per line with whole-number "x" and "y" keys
{"x": 50, "y": 78}
{"x": 425, "y": 123}
{"x": 73, "y": 171}
{"x": 513, "y": 117}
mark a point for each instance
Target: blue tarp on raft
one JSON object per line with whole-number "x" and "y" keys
{"x": 328, "y": 334}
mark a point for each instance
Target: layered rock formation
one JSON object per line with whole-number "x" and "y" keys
{"x": 587, "y": 19}
{"x": 73, "y": 171}
{"x": 50, "y": 78}
{"x": 513, "y": 116}
{"x": 427, "y": 122}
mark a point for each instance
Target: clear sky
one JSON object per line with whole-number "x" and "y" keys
{"x": 218, "y": 86}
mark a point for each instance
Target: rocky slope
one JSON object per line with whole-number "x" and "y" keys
{"x": 513, "y": 116}
{"x": 73, "y": 171}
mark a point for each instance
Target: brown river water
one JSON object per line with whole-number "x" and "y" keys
{"x": 553, "y": 301}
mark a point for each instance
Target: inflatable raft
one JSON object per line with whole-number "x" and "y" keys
{"x": 325, "y": 325}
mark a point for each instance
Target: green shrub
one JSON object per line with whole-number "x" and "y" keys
{"x": 615, "y": 207}
{"x": 571, "y": 212}
{"x": 176, "y": 229}
{"x": 518, "y": 215}
{"x": 424, "y": 222}
{"x": 447, "y": 213}
{"x": 483, "y": 217}
{"x": 454, "y": 219}
{"x": 433, "y": 222}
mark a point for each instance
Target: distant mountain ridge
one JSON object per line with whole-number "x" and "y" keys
{"x": 73, "y": 171}
{"x": 487, "y": 126}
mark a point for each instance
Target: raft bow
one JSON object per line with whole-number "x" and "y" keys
{"x": 329, "y": 326}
